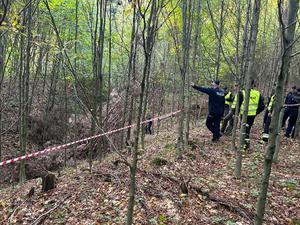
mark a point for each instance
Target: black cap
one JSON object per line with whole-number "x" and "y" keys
{"x": 217, "y": 82}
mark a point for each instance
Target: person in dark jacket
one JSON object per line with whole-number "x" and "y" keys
{"x": 216, "y": 104}
{"x": 288, "y": 100}
{"x": 292, "y": 111}
{"x": 148, "y": 127}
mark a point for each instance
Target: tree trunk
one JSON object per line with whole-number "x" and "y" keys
{"x": 197, "y": 25}
{"x": 249, "y": 78}
{"x": 288, "y": 33}
{"x": 185, "y": 41}
{"x": 24, "y": 89}
{"x": 109, "y": 60}
{"x": 130, "y": 69}
{"x": 238, "y": 65}
{"x": 1, "y": 81}
{"x": 148, "y": 35}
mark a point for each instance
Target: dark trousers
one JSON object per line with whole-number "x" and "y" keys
{"x": 265, "y": 118}
{"x": 225, "y": 122}
{"x": 267, "y": 124}
{"x": 148, "y": 128}
{"x": 286, "y": 114}
{"x": 213, "y": 124}
{"x": 293, "y": 115}
{"x": 250, "y": 121}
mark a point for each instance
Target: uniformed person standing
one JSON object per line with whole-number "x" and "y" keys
{"x": 228, "y": 102}
{"x": 256, "y": 106}
{"x": 216, "y": 103}
{"x": 292, "y": 112}
{"x": 267, "y": 122}
{"x": 229, "y": 116}
{"x": 148, "y": 127}
{"x": 288, "y": 100}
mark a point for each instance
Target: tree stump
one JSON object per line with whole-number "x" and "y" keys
{"x": 48, "y": 182}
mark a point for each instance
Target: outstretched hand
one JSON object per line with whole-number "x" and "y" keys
{"x": 192, "y": 84}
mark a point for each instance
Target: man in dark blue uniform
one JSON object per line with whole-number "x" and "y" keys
{"x": 292, "y": 99}
{"x": 288, "y": 101}
{"x": 216, "y": 104}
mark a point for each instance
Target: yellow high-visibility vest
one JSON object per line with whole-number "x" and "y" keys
{"x": 227, "y": 97}
{"x": 234, "y": 101}
{"x": 271, "y": 103}
{"x": 253, "y": 102}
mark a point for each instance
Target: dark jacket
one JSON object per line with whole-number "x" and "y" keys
{"x": 261, "y": 104}
{"x": 216, "y": 100}
{"x": 292, "y": 99}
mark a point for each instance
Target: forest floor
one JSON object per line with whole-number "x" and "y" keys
{"x": 214, "y": 196}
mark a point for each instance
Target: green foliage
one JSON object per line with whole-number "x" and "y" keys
{"x": 157, "y": 161}
{"x": 290, "y": 184}
{"x": 169, "y": 146}
{"x": 191, "y": 156}
{"x": 162, "y": 219}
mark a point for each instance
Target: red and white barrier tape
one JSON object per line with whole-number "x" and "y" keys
{"x": 60, "y": 147}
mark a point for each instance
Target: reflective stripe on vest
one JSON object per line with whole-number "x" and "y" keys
{"x": 227, "y": 97}
{"x": 271, "y": 103}
{"x": 253, "y": 102}
{"x": 265, "y": 136}
{"x": 234, "y": 102}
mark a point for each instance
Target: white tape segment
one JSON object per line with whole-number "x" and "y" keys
{"x": 60, "y": 147}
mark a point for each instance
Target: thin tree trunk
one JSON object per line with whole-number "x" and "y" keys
{"x": 130, "y": 70}
{"x": 132, "y": 100}
{"x": 148, "y": 35}
{"x": 109, "y": 60}
{"x": 238, "y": 65}
{"x": 196, "y": 53}
{"x": 2, "y": 52}
{"x": 220, "y": 37}
{"x": 249, "y": 78}
{"x": 288, "y": 33}
{"x": 24, "y": 97}
{"x": 75, "y": 52}
{"x": 186, "y": 36}
{"x": 245, "y": 48}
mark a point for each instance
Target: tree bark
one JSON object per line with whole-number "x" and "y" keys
{"x": 185, "y": 43}
{"x": 148, "y": 35}
{"x": 249, "y": 78}
{"x": 1, "y": 78}
{"x": 288, "y": 33}
{"x": 195, "y": 58}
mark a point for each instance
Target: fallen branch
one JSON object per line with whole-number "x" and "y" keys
{"x": 226, "y": 203}
{"x": 44, "y": 215}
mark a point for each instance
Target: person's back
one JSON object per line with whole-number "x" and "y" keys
{"x": 216, "y": 101}
{"x": 216, "y": 104}
{"x": 294, "y": 99}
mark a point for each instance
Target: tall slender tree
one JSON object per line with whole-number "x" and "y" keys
{"x": 184, "y": 64}
{"x": 288, "y": 33}
{"x": 249, "y": 77}
{"x": 149, "y": 31}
